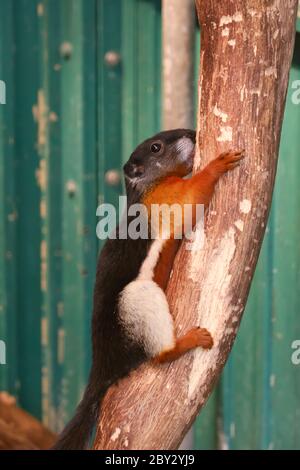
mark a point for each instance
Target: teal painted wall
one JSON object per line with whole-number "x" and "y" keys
{"x": 70, "y": 118}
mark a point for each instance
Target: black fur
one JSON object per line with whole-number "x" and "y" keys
{"x": 114, "y": 355}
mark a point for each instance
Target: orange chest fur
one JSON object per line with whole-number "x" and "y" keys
{"x": 171, "y": 192}
{"x": 169, "y": 205}
{"x": 165, "y": 261}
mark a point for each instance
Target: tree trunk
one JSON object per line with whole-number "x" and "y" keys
{"x": 178, "y": 46}
{"x": 246, "y": 53}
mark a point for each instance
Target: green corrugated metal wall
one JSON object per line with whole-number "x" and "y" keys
{"x": 70, "y": 117}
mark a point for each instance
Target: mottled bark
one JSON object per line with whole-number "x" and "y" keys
{"x": 246, "y": 52}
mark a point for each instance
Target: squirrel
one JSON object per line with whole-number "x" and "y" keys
{"x": 131, "y": 320}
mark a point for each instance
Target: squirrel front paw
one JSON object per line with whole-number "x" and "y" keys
{"x": 229, "y": 160}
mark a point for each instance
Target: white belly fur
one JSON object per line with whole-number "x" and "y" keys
{"x": 144, "y": 310}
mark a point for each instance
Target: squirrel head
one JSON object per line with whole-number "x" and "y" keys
{"x": 169, "y": 153}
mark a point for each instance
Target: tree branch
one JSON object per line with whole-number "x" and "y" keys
{"x": 19, "y": 430}
{"x": 246, "y": 52}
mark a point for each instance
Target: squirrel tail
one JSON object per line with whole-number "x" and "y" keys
{"x": 76, "y": 435}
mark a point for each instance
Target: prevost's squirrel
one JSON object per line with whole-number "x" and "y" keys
{"x": 131, "y": 320}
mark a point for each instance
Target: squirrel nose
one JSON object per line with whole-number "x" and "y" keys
{"x": 132, "y": 170}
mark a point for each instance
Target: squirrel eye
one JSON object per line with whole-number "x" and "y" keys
{"x": 155, "y": 148}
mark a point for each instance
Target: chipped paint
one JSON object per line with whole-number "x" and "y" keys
{"x": 239, "y": 225}
{"x": 12, "y": 217}
{"x": 235, "y": 308}
{"x": 115, "y": 434}
{"x": 217, "y": 112}
{"x": 66, "y": 50}
{"x": 225, "y": 32}
{"x": 43, "y": 265}
{"x": 45, "y": 395}
{"x": 245, "y": 206}
{"x": 40, "y": 9}
{"x": 43, "y": 209}
{"x": 226, "y": 134}
{"x": 44, "y": 331}
{"x": 265, "y": 175}
{"x": 228, "y": 331}
{"x": 40, "y": 114}
{"x": 236, "y": 18}
{"x": 271, "y": 71}
{"x": 255, "y": 91}
{"x": 242, "y": 93}
{"x": 272, "y": 380}
{"x": 211, "y": 312}
{"x": 53, "y": 117}
{"x": 71, "y": 187}
{"x": 41, "y": 175}
{"x": 60, "y": 345}
{"x": 232, "y": 43}
{"x": 252, "y": 12}
{"x": 127, "y": 428}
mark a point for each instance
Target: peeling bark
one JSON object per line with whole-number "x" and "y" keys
{"x": 246, "y": 52}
